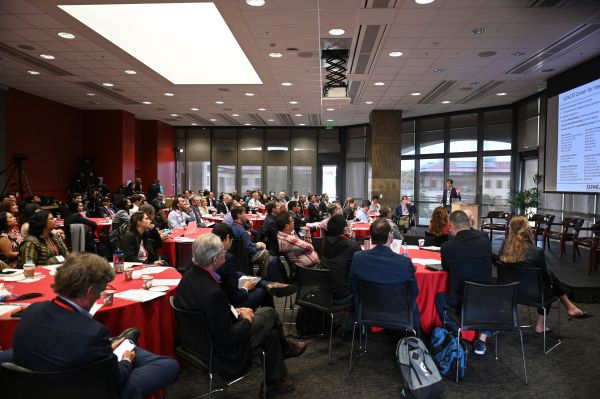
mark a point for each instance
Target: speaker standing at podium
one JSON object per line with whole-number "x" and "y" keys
{"x": 449, "y": 194}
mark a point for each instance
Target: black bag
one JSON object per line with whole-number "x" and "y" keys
{"x": 310, "y": 321}
{"x": 420, "y": 375}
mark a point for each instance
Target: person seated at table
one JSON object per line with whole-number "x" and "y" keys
{"x": 71, "y": 338}
{"x": 332, "y": 209}
{"x": 252, "y": 294}
{"x": 228, "y": 219}
{"x": 269, "y": 227}
{"x": 298, "y": 252}
{"x": 105, "y": 210}
{"x": 381, "y": 265}
{"x": 203, "y": 207}
{"x": 466, "y": 257}
{"x": 299, "y": 219}
{"x": 9, "y": 247}
{"x": 136, "y": 242}
{"x": 41, "y": 246}
{"x": 438, "y": 226}
{"x": 235, "y": 334}
{"x": 195, "y": 208}
{"x": 28, "y": 210}
{"x": 254, "y": 203}
{"x": 158, "y": 202}
{"x": 348, "y": 210}
{"x": 154, "y": 233}
{"x": 122, "y": 216}
{"x": 323, "y": 204}
{"x": 386, "y": 213}
{"x": 338, "y": 250}
{"x": 256, "y": 251}
{"x": 181, "y": 214}
{"x": 313, "y": 209}
{"x": 74, "y": 217}
{"x": 362, "y": 214}
{"x": 520, "y": 249}
{"x": 222, "y": 204}
{"x": 136, "y": 201}
{"x": 10, "y": 205}
{"x": 404, "y": 213}
{"x": 375, "y": 205}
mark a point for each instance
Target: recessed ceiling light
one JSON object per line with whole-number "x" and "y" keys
{"x": 445, "y": 102}
{"x": 416, "y": 93}
{"x": 249, "y": 94}
{"x": 336, "y": 31}
{"x": 329, "y": 120}
{"x": 501, "y": 94}
{"x": 194, "y": 109}
{"x": 297, "y": 114}
{"x": 147, "y": 102}
{"x": 271, "y": 120}
{"x": 286, "y": 84}
{"x": 107, "y": 84}
{"x": 168, "y": 26}
{"x": 262, "y": 109}
{"x": 330, "y": 109}
{"x": 174, "y": 115}
{"x": 47, "y": 56}
{"x": 293, "y": 102}
{"x": 235, "y": 114}
{"x": 255, "y": 3}
{"x": 275, "y": 55}
{"x": 395, "y": 53}
{"x": 66, "y": 35}
{"x": 219, "y": 102}
{"x": 246, "y": 124}
{"x": 194, "y": 124}
{"x": 479, "y": 30}
{"x": 379, "y": 83}
{"x": 424, "y": 1}
{"x": 33, "y": 72}
{"x": 169, "y": 94}
{"x": 301, "y": 124}
{"x": 439, "y": 70}
{"x": 369, "y": 102}
{"x": 130, "y": 72}
{"x": 90, "y": 94}
{"x": 518, "y": 53}
{"x": 212, "y": 120}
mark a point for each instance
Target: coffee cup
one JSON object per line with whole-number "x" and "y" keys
{"x": 421, "y": 242}
{"x": 108, "y": 296}
{"x": 148, "y": 280}
{"x": 128, "y": 274}
{"x": 28, "y": 270}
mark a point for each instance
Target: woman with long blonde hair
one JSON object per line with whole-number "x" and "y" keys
{"x": 520, "y": 248}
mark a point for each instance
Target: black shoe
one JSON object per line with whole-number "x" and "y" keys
{"x": 131, "y": 333}
{"x": 296, "y": 348}
{"x": 277, "y": 388}
{"x": 281, "y": 290}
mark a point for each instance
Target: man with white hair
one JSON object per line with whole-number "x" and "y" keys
{"x": 236, "y": 332}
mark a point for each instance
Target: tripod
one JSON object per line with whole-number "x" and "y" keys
{"x": 16, "y": 166}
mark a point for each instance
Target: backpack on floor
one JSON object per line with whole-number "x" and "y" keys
{"x": 445, "y": 352}
{"x": 420, "y": 376}
{"x": 310, "y": 321}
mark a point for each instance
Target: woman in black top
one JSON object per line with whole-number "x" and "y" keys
{"x": 519, "y": 248}
{"x": 338, "y": 249}
{"x": 75, "y": 217}
{"x": 136, "y": 243}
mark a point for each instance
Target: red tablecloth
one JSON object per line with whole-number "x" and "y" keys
{"x": 169, "y": 248}
{"x": 154, "y": 318}
{"x": 256, "y": 221}
{"x": 361, "y": 229}
{"x": 103, "y": 225}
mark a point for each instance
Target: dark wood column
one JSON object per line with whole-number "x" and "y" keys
{"x": 386, "y": 127}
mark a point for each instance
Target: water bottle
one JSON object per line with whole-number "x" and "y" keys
{"x": 119, "y": 261}
{"x": 404, "y": 250}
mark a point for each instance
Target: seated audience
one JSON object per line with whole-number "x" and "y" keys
{"x": 136, "y": 201}
{"x": 136, "y": 243}
{"x": 195, "y": 208}
{"x": 519, "y": 248}
{"x": 254, "y": 204}
{"x": 106, "y": 210}
{"x": 158, "y": 202}
{"x": 235, "y": 334}
{"x": 154, "y": 190}
{"x": 10, "y": 205}
{"x": 9, "y": 247}
{"x": 295, "y": 209}
{"x": 203, "y": 207}
{"x": 122, "y": 216}
{"x": 75, "y": 217}
{"x": 313, "y": 209}
{"x": 386, "y": 213}
{"x": 338, "y": 250}
{"x": 375, "y": 205}
{"x": 269, "y": 227}
{"x": 349, "y": 209}
{"x": 362, "y": 214}
{"x": 222, "y": 204}
{"x": 438, "y": 226}
{"x": 28, "y": 210}
{"x": 323, "y": 204}
{"x": 405, "y": 213}
{"x": 181, "y": 214}
{"x": 257, "y": 251}
{"x": 41, "y": 246}
{"x": 381, "y": 265}
{"x": 154, "y": 233}
{"x": 332, "y": 209}
{"x": 298, "y": 252}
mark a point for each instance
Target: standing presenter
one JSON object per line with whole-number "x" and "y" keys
{"x": 449, "y": 195}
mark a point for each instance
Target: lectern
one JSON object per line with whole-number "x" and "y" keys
{"x": 474, "y": 208}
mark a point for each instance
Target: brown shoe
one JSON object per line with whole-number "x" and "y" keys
{"x": 277, "y": 388}
{"x": 296, "y": 348}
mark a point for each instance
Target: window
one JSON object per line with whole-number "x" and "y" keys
{"x": 225, "y": 178}
{"x": 496, "y": 168}
{"x": 407, "y": 178}
{"x": 487, "y": 183}
{"x": 463, "y": 133}
{"x": 277, "y": 179}
{"x": 497, "y": 130}
{"x": 250, "y": 178}
{"x": 329, "y": 180}
{"x": 198, "y": 175}
{"x": 302, "y": 179}
{"x": 431, "y": 172}
{"x": 498, "y": 183}
{"x": 463, "y": 171}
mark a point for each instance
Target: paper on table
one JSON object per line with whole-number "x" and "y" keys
{"x": 140, "y": 295}
{"x": 412, "y": 246}
{"x": 52, "y": 267}
{"x": 95, "y": 308}
{"x": 432, "y": 248}
{"x": 36, "y": 277}
{"x": 166, "y": 281}
{"x": 7, "y": 310}
{"x": 154, "y": 269}
{"x": 184, "y": 239}
{"x": 425, "y": 261}
{"x": 127, "y": 264}
{"x": 126, "y": 345}
{"x": 243, "y": 279}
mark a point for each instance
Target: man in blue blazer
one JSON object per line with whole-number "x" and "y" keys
{"x": 61, "y": 334}
{"x": 381, "y": 265}
{"x": 449, "y": 195}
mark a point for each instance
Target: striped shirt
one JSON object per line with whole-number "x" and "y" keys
{"x": 297, "y": 251}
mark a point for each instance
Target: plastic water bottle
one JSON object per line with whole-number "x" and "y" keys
{"x": 404, "y": 250}
{"x": 119, "y": 261}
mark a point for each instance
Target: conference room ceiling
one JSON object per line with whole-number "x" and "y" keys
{"x": 463, "y": 52}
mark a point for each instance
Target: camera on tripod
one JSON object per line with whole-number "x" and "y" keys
{"x": 17, "y": 158}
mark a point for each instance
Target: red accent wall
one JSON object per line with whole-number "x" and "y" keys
{"x": 51, "y": 134}
{"x": 157, "y": 156}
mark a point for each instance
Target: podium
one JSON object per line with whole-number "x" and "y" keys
{"x": 474, "y": 208}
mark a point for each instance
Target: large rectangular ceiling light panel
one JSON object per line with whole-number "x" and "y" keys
{"x": 187, "y": 43}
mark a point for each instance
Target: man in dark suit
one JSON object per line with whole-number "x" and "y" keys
{"x": 106, "y": 210}
{"x": 467, "y": 256}
{"x": 404, "y": 213}
{"x": 269, "y": 227}
{"x": 236, "y": 332}
{"x": 70, "y": 338}
{"x": 449, "y": 194}
{"x": 381, "y": 265}
{"x": 313, "y": 209}
{"x": 153, "y": 189}
{"x": 222, "y": 205}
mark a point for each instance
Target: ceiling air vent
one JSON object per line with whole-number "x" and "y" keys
{"x": 285, "y": 119}
{"x": 439, "y": 91}
{"x": 107, "y": 93}
{"x": 257, "y": 120}
{"x": 229, "y": 119}
{"x": 199, "y": 119}
{"x": 380, "y": 3}
{"x": 38, "y": 64}
{"x": 482, "y": 91}
{"x": 314, "y": 119}
{"x": 367, "y": 44}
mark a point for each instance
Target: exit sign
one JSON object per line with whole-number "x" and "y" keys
{"x": 328, "y": 127}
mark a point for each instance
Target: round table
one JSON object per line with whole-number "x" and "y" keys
{"x": 103, "y": 225}
{"x": 171, "y": 245}
{"x": 154, "y": 318}
{"x": 361, "y": 229}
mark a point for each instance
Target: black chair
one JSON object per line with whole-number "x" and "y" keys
{"x": 195, "y": 346}
{"x": 317, "y": 243}
{"x": 94, "y": 381}
{"x": 592, "y": 241}
{"x": 414, "y": 240}
{"x": 315, "y": 292}
{"x": 290, "y": 271}
{"x": 531, "y": 291}
{"x": 183, "y": 253}
{"x": 436, "y": 240}
{"x": 241, "y": 255}
{"x": 488, "y": 307}
{"x": 542, "y": 223}
{"x": 569, "y": 231}
{"x": 494, "y": 224}
{"x": 387, "y": 306}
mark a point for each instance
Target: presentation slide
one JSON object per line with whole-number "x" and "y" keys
{"x": 578, "y": 158}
